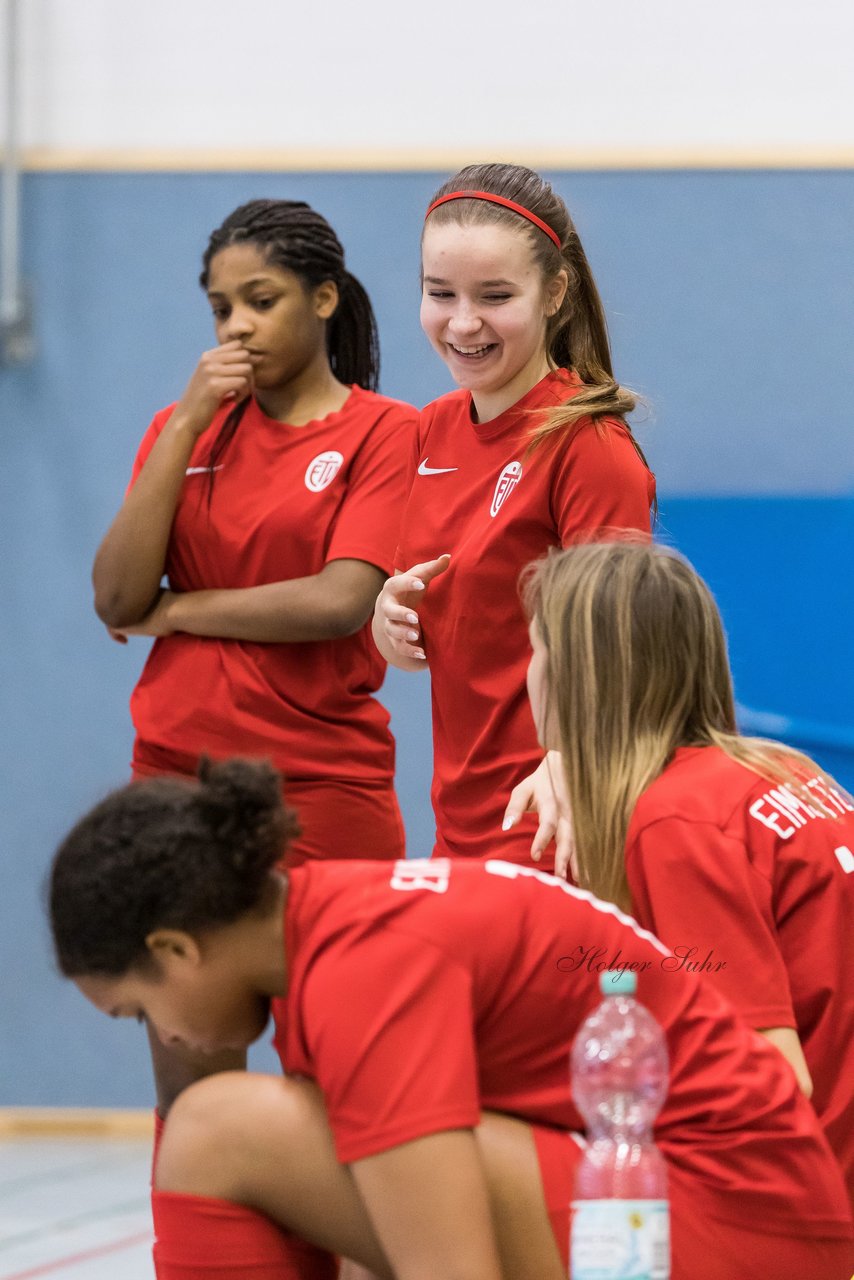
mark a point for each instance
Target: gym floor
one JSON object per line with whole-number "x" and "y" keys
{"x": 75, "y": 1208}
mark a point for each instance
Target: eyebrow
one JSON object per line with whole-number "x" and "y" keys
{"x": 247, "y": 284}
{"x": 484, "y": 284}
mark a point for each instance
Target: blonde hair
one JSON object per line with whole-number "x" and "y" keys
{"x": 577, "y": 334}
{"x": 637, "y": 666}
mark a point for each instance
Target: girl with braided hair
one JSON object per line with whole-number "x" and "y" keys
{"x": 269, "y": 496}
{"x": 530, "y": 452}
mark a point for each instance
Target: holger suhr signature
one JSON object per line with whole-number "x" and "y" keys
{"x": 598, "y": 960}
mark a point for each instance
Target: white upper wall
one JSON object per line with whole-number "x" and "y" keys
{"x": 494, "y": 77}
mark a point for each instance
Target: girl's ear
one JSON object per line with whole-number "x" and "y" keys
{"x": 556, "y": 292}
{"x": 171, "y": 947}
{"x": 326, "y": 300}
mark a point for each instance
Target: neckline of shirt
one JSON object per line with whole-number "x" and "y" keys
{"x": 331, "y": 419}
{"x": 558, "y": 384}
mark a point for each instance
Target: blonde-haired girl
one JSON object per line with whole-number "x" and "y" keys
{"x": 736, "y": 852}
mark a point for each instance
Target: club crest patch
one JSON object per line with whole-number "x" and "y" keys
{"x": 322, "y": 470}
{"x": 507, "y": 481}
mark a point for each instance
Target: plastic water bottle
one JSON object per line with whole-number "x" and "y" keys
{"x": 620, "y": 1214}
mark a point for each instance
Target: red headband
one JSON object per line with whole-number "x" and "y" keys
{"x": 508, "y": 204}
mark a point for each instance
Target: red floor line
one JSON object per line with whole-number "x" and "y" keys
{"x": 48, "y": 1268}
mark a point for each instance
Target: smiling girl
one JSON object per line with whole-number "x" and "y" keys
{"x": 531, "y": 451}
{"x": 270, "y": 497}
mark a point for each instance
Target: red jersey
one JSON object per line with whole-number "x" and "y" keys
{"x": 287, "y": 500}
{"x": 421, "y": 994}
{"x": 743, "y": 879}
{"x": 478, "y": 495}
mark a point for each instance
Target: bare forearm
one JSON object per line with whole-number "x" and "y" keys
{"x": 325, "y": 606}
{"x": 130, "y": 561}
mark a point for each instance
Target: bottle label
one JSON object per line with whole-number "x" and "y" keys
{"x": 620, "y": 1240}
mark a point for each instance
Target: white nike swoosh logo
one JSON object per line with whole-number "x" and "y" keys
{"x": 424, "y": 470}
{"x": 198, "y": 471}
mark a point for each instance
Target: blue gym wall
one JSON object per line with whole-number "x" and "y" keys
{"x": 731, "y": 307}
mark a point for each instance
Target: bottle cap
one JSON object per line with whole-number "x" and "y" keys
{"x": 618, "y": 982}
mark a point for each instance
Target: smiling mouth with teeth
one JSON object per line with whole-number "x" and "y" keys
{"x": 472, "y": 351}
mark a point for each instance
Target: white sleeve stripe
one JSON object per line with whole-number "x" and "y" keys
{"x": 512, "y": 870}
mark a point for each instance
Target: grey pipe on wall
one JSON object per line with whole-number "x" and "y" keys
{"x": 16, "y": 328}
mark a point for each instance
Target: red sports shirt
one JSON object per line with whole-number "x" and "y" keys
{"x": 742, "y": 880}
{"x": 423, "y": 993}
{"x": 287, "y": 500}
{"x": 477, "y": 495}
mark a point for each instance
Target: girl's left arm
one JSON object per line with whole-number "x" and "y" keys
{"x": 429, "y": 1206}
{"x": 327, "y": 605}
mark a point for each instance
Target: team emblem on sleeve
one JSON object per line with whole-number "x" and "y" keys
{"x": 507, "y": 481}
{"x": 322, "y": 470}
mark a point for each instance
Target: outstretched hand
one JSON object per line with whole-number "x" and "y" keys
{"x": 396, "y": 622}
{"x": 544, "y": 793}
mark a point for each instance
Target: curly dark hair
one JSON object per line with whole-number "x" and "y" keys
{"x": 165, "y": 853}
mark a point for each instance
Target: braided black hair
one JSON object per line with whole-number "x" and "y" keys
{"x": 292, "y": 235}
{"x": 165, "y": 853}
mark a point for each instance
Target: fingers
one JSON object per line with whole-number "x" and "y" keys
{"x": 396, "y": 589}
{"x": 545, "y": 832}
{"x": 417, "y": 578}
{"x": 231, "y": 381}
{"x": 544, "y": 792}
{"x": 232, "y": 358}
{"x": 225, "y": 372}
{"x": 406, "y": 643}
{"x": 431, "y": 568}
{"x": 524, "y": 799}
{"x": 401, "y": 624}
{"x": 550, "y": 828}
{"x": 521, "y": 801}
{"x": 400, "y": 621}
{"x": 565, "y": 862}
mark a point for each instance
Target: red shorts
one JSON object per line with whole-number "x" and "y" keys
{"x": 701, "y": 1248}
{"x": 338, "y": 820}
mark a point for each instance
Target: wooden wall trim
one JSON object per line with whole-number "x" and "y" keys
{"x": 131, "y": 160}
{"x": 76, "y": 1122}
